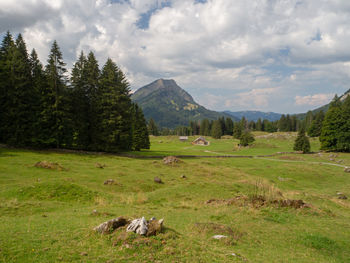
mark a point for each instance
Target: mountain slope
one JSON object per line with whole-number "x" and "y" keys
{"x": 255, "y": 115}
{"x": 169, "y": 105}
{"x": 323, "y": 108}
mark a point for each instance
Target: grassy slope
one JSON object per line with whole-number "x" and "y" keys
{"x": 46, "y": 214}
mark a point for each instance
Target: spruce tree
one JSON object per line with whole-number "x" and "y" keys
{"x": 216, "y": 130}
{"x": 39, "y": 85}
{"x": 6, "y": 86}
{"x": 343, "y": 142}
{"x": 316, "y": 125}
{"x": 114, "y": 110}
{"x": 80, "y": 104}
{"x": 57, "y": 118}
{"x": 259, "y": 125}
{"x": 152, "y": 128}
{"x": 246, "y": 138}
{"x": 228, "y": 126}
{"x": 92, "y": 81}
{"x": 237, "y": 130}
{"x": 330, "y": 128}
{"x": 140, "y": 138}
{"x": 302, "y": 142}
{"x": 204, "y": 128}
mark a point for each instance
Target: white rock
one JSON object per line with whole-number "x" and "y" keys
{"x": 138, "y": 226}
{"x": 219, "y": 236}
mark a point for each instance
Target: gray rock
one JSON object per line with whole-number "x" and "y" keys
{"x": 343, "y": 197}
{"x": 109, "y": 181}
{"x": 158, "y": 180}
{"x": 109, "y": 226}
{"x": 139, "y": 226}
{"x": 347, "y": 169}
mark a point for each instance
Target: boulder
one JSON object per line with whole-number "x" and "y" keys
{"x": 154, "y": 227}
{"x": 138, "y": 226}
{"x": 111, "y": 225}
{"x": 158, "y": 180}
{"x": 143, "y": 227}
{"x": 347, "y": 169}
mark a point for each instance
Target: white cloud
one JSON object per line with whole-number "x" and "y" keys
{"x": 232, "y": 50}
{"x": 313, "y": 100}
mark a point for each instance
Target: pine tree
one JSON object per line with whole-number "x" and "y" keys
{"x": 246, "y": 138}
{"x": 343, "y": 142}
{"x": 20, "y": 95}
{"x": 259, "y": 125}
{"x": 228, "y": 126}
{"x": 330, "y": 128}
{"x": 237, "y": 130}
{"x": 92, "y": 83}
{"x": 316, "y": 125}
{"x": 302, "y": 142}
{"x": 80, "y": 104}
{"x": 114, "y": 110}
{"x": 57, "y": 118}
{"x": 39, "y": 85}
{"x": 204, "y": 128}
{"x": 308, "y": 120}
{"x": 152, "y": 128}
{"x": 6, "y": 86}
{"x": 216, "y": 130}
{"x": 140, "y": 138}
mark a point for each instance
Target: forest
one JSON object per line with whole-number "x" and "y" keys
{"x": 45, "y": 107}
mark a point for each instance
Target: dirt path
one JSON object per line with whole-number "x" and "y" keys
{"x": 293, "y": 161}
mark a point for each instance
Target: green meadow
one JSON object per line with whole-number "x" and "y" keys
{"x": 47, "y": 215}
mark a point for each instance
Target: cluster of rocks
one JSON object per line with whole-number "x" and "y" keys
{"x": 171, "y": 160}
{"x": 139, "y": 226}
{"x": 259, "y": 201}
{"x": 49, "y": 165}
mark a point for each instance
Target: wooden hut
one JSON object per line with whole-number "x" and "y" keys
{"x": 201, "y": 141}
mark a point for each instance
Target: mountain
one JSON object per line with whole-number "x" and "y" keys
{"x": 171, "y": 106}
{"x": 255, "y": 115}
{"x": 323, "y": 108}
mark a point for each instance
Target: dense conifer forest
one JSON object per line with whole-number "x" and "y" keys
{"x": 44, "y": 107}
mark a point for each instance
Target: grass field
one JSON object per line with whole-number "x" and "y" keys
{"x": 47, "y": 215}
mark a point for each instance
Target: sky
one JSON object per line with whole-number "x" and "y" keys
{"x": 285, "y": 56}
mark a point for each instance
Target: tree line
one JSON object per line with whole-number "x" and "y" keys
{"x": 43, "y": 106}
{"x": 332, "y": 128}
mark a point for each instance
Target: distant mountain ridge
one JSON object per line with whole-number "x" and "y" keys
{"x": 171, "y": 106}
{"x": 255, "y": 115}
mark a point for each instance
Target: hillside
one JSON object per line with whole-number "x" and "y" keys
{"x": 255, "y": 115}
{"x": 171, "y": 106}
{"x": 323, "y": 108}
{"x": 48, "y": 213}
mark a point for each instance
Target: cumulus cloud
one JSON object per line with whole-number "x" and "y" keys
{"x": 313, "y": 100}
{"x": 225, "y": 53}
